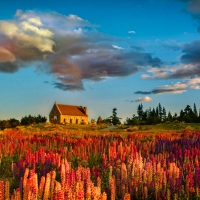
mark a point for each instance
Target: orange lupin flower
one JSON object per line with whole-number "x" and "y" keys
{"x": 127, "y": 197}
{"x": 25, "y": 177}
{"x": 41, "y": 186}
{"x": 112, "y": 188}
{"x": 145, "y": 192}
{"x": 53, "y": 177}
{"x": 62, "y": 174}
{"x": 47, "y": 187}
{"x": 103, "y": 196}
{"x": 26, "y": 195}
{"x": 7, "y": 190}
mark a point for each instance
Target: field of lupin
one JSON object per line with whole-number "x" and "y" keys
{"x": 87, "y": 166}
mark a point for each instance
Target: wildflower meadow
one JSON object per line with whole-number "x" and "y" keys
{"x": 106, "y": 166}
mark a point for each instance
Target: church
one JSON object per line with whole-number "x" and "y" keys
{"x": 68, "y": 114}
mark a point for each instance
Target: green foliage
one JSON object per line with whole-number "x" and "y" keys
{"x": 114, "y": 119}
{"x": 158, "y": 115}
{"x": 27, "y": 120}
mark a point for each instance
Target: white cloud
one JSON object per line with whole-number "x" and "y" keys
{"x": 131, "y": 32}
{"x": 8, "y": 28}
{"x": 194, "y": 83}
{"x": 146, "y": 76}
{"x": 30, "y": 32}
{"x": 176, "y": 88}
{"x": 145, "y": 99}
{"x": 78, "y": 31}
{"x": 26, "y": 26}
{"x": 117, "y": 47}
{"x": 35, "y": 20}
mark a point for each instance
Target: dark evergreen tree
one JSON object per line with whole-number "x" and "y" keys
{"x": 175, "y": 116}
{"x": 195, "y": 110}
{"x": 157, "y": 112}
{"x": 140, "y": 112}
{"x": 169, "y": 116}
{"x": 160, "y": 111}
{"x": 164, "y": 114}
{"x": 114, "y": 119}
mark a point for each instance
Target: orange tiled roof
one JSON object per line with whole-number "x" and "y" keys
{"x": 71, "y": 110}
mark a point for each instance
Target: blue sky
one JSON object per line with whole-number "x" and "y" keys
{"x": 99, "y": 54}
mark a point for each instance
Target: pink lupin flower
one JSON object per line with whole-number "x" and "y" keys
{"x": 2, "y": 192}
{"x": 60, "y": 195}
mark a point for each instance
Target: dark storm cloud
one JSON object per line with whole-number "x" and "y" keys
{"x": 67, "y": 47}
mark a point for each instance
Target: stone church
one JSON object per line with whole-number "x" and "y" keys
{"x": 68, "y": 114}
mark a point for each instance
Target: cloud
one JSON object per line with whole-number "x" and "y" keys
{"x": 193, "y": 8}
{"x": 117, "y": 47}
{"x": 66, "y": 87}
{"x": 131, "y": 32}
{"x": 136, "y": 48}
{"x": 189, "y": 66}
{"x": 145, "y": 99}
{"x": 176, "y": 88}
{"x": 6, "y": 55}
{"x": 191, "y": 53}
{"x": 67, "y": 47}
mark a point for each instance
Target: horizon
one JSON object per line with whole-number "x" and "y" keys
{"x": 101, "y": 55}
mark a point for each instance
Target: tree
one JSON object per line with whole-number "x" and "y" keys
{"x": 93, "y": 121}
{"x": 99, "y": 120}
{"x": 140, "y": 112}
{"x": 132, "y": 121}
{"x": 188, "y": 110}
{"x": 114, "y": 119}
{"x": 175, "y": 117}
{"x": 195, "y": 110}
{"x": 4, "y": 124}
{"x": 160, "y": 111}
{"x": 14, "y": 122}
{"x": 27, "y": 120}
{"x": 163, "y": 116}
{"x": 169, "y": 116}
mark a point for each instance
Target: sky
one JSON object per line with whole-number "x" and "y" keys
{"x": 100, "y": 54}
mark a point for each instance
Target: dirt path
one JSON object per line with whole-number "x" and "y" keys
{"x": 108, "y": 128}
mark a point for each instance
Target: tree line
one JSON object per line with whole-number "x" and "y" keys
{"x": 27, "y": 120}
{"x": 160, "y": 115}
{"x": 156, "y": 115}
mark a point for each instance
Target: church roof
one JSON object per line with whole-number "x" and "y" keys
{"x": 71, "y": 110}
